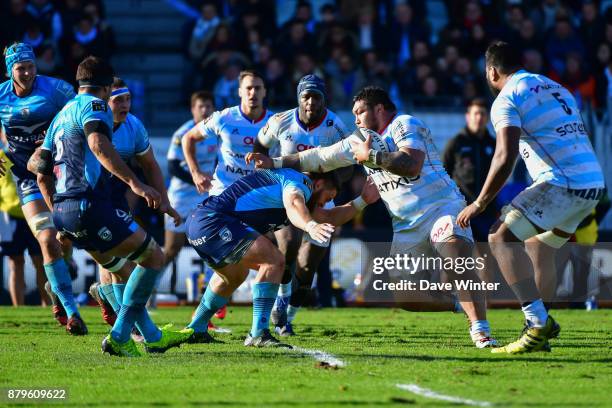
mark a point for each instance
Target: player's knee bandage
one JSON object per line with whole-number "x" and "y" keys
{"x": 143, "y": 252}
{"x": 520, "y": 226}
{"x": 114, "y": 265}
{"x": 40, "y": 222}
{"x": 551, "y": 239}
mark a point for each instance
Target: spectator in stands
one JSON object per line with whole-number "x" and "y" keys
{"x": 34, "y": 35}
{"x": 467, "y": 158}
{"x": 533, "y": 61}
{"x": 376, "y": 72}
{"x": 528, "y": 36}
{"x": 479, "y": 42}
{"x": 105, "y": 31}
{"x": 69, "y": 16}
{"x": 473, "y": 15}
{"x": 296, "y": 40}
{"x": 546, "y": 14}
{"x": 48, "y": 18}
{"x": 278, "y": 90}
{"x": 338, "y": 38}
{"x": 562, "y": 41}
{"x": 47, "y": 61}
{"x": 591, "y": 28}
{"x": 405, "y": 31}
{"x": 303, "y": 13}
{"x": 461, "y": 75}
{"x": 86, "y": 34}
{"x": 203, "y": 31}
{"x": 226, "y": 88}
{"x": 369, "y": 33}
{"x": 328, "y": 18}
{"x": 603, "y": 75}
{"x": 303, "y": 65}
{"x": 13, "y": 23}
{"x": 346, "y": 84}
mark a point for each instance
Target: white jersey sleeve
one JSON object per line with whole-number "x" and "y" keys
{"x": 409, "y": 132}
{"x": 268, "y": 135}
{"x": 209, "y": 127}
{"x": 324, "y": 159}
{"x": 504, "y": 113}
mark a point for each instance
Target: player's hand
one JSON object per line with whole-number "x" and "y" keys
{"x": 151, "y": 195}
{"x": 369, "y": 192}
{"x": 166, "y": 208}
{"x": 261, "y": 160}
{"x": 201, "y": 181}
{"x": 361, "y": 150}
{"x": 469, "y": 212}
{"x": 320, "y": 232}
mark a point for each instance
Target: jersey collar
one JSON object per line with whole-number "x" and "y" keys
{"x": 388, "y": 123}
{"x": 303, "y": 125}
{"x": 259, "y": 119}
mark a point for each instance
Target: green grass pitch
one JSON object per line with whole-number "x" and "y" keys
{"x": 381, "y": 348}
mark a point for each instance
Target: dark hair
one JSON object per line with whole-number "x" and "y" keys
{"x": 249, "y": 72}
{"x": 203, "y": 96}
{"x": 331, "y": 178}
{"x": 374, "y": 95}
{"x": 118, "y": 83}
{"x": 94, "y": 71}
{"x": 480, "y": 102}
{"x": 504, "y": 57}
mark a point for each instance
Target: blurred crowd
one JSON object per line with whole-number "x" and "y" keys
{"x": 62, "y": 32}
{"x": 393, "y": 43}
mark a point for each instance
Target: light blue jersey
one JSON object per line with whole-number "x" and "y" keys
{"x": 257, "y": 199}
{"x": 554, "y": 142}
{"x": 179, "y": 191}
{"x": 25, "y": 119}
{"x": 130, "y": 140}
{"x": 78, "y": 172}
{"x": 236, "y": 134}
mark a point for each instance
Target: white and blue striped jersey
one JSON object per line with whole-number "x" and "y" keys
{"x": 236, "y": 134}
{"x": 410, "y": 201}
{"x": 286, "y": 131}
{"x": 554, "y": 142}
{"x": 206, "y": 156}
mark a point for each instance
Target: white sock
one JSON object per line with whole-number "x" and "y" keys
{"x": 480, "y": 326}
{"x": 536, "y": 313}
{"x": 291, "y": 312}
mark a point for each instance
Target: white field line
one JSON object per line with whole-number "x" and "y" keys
{"x": 221, "y": 330}
{"x": 424, "y": 392}
{"x": 321, "y": 356}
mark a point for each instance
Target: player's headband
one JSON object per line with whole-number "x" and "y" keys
{"x": 311, "y": 83}
{"x": 17, "y": 53}
{"x": 96, "y": 82}
{"x": 120, "y": 91}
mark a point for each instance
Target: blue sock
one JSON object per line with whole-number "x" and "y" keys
{"x": 145, "y": 325}
{"x": 61, "y": 284}
{"x": 107, "y": 293}
{"x": 137, "y": 291}
{"x": 210, "y": 303}
{"x": 264, "y": 294}
{"x": 118, "y": 289}
{"x": 148, "y": 329}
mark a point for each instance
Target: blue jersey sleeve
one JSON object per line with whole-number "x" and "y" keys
{"x": 63, "y": 93}
{"x": 96, "y": 109}
{"x": 141, "y": 143}
{"x": 294, "y": 180}
{"x": 47, "y": 143}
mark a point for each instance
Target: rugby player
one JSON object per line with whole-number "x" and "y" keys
{"x": 538, "y": 119}
{"x": 228, "y": 230}
{"x": 234, "y": 130}
{"x": 78, "y": 151}
{"x": 420, "y": 196}
{"x": 29, "y": 103}
{"x": 309, "y": 125}
{"x": 131, "y": 140}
